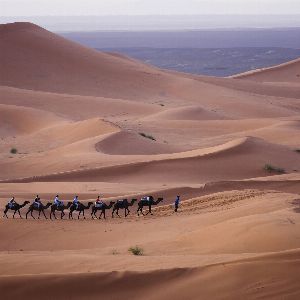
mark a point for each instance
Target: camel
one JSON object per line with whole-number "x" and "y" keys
{"x": 122, "y": 204}
{"x": 149, "y": 203}
{"x": 81, "y": 207}
{"x": 16, "y": 207}
{"x": 103, "y": 208}
{"x": 40, "y": 209}
{"x": 60, "y": 208}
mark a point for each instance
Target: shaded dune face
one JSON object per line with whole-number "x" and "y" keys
{"x": 91, "y": 123}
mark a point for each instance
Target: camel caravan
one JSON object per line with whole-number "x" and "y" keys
{"x": 76, "y": 206}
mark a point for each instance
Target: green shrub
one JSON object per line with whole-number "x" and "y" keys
{"x": 13, "y": 151}
{"x": 272, "y": 169}
{"x": 147, "y": 136}
{"x": 136, "y": 250}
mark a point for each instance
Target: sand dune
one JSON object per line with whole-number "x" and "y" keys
{"x": 250, "y": 156}
{"x": 288, "y": 72}
{"x": 273, "y": 271}
{"x": 188, "y": 113}
{"x": 129, "y": 143}
{"x": 76, "y": 115}
{"x": 66, "y": 67}
{"x": 20, "y": 120}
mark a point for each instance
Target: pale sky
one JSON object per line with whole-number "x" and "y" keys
{"x": 145, "y": 7}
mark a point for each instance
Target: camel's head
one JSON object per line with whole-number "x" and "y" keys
{"x": 26, "y": 202}
{"x": 134, "y": 200}
{"x": 160, "y": 199}
{"x": 112, "y": 202}
{"x": 90, "y": 203}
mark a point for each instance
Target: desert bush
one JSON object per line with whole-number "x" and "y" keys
{"x": 115, "y": 252}
{"x": 13, "y": 151}
{"x": 297, "y": 150}
{"x": 147, "y": 136}
{"x": 136, "y": 250}
{"x": 272, "y": 169}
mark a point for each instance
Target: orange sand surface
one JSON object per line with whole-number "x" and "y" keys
{"x": 90, "y": 123}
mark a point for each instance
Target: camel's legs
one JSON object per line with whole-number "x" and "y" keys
{"x": 149, "y": 210}
{"x": 44, "y": 214}
{"x": 62, "y": 214}
{"x": 5, "y": 212}
{"x": 53, "y": 213}
{"x": 14, "y": 214}
{"x": 128, "y": 211}
{"x": 79, "y": 214}
{"x": 20, "y": 214}
{"x": 83, "y": 214}
{"x": 140, "y": 209}
{"x": 39, "y": 213}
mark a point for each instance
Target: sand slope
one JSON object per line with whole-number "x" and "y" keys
{"x": 288, "y": 72}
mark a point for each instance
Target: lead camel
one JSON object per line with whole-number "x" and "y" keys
{"x": 149, "y": 204}
{"x": 15, "y": 207}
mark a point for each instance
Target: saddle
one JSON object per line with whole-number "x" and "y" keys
{"x": 36, "y": 205}
{"x": 11, "y": 205}
{"x": 99, "y": 205}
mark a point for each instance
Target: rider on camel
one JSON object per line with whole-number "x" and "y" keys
{"x": 76, "y": 202}
{"x": 99, "y": 202}
{"x": 37, "y": 201}
{"x": 57, "y": 202}
{"x": 12, "y": 202}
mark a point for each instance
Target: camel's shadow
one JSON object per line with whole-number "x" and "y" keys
{"x": 296, "y": 203}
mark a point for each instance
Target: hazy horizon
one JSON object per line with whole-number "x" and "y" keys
{"x": 157, "y": 22}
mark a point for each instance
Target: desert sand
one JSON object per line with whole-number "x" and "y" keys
{"x": 78, "y": 120}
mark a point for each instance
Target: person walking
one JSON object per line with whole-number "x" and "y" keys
{"x": 176, "y": 204}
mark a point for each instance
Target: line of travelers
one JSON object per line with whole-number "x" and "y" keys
{"x": 98, "y": 203}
